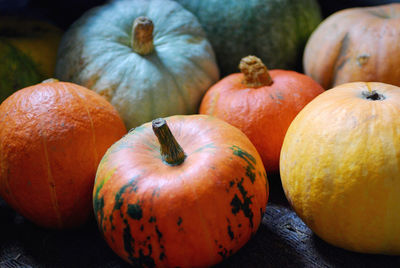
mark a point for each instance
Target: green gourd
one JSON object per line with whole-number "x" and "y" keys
{"x": 28, "y": 49}
{"x": 274, "y": 30}
{"x": 18, "y": 70}
{"x": 148, "y": 58}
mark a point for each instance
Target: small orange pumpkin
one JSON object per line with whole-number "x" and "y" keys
{"x": 261, "y": 103}
{"x": 356, "y": 44}
{"x": 52, "y": 137}
{"x": 188, "y": 200}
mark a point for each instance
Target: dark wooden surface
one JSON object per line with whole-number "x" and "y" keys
{"x": 282, "y": 240}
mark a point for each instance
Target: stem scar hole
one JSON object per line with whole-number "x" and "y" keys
{"x": 372, "y": 95}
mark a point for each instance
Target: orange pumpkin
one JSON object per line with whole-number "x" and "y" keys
{"x": 52, "y": 137}
{"x": 356, "y": 44}
{"x": 261, "y": 103}
{"x": 188, "y": 200}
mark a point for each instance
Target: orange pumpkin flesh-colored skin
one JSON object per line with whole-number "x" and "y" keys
{"x": 340, "y": 167}
{"x": 357, "y": 44}
{"x": 52, "y": 137}
{"x": 263, "y": 113}
{"x": 189, "y": 215}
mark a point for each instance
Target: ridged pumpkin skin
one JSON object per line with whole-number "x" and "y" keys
{"x": 96, "y": 52}
{"x": 275, "y": 31}
{"x": 189, "y": 215}
{"x": 28, "y": 50}
{"x": 340, "y": 167}
{"x": 52, "y": 138}
{"x": 357, "y": 44}
{"x": 264, "y": 112}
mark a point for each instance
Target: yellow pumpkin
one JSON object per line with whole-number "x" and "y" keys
{"x": 340, "y": 166}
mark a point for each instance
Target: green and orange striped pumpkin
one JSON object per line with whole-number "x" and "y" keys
{"x": 187, "y": 200}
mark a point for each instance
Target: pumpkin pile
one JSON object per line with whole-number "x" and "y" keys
{"x": 182, "y": 189}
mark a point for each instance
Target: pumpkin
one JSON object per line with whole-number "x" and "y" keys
{"x": 52, "y": 138}
{"x": 276, "y": 31}
{"x": 340, "y": 166}
{"x": 147, "y": 61}
{"x": 261, "y": 103}
{"x": 28, "y": 50}
{"x": 188, "y": 193}
{"x": 356, "y": 44}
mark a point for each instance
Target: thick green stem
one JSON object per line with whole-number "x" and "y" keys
{"x": 171, "y": 152}
{"x": 255, "y": 72}
{"x": 142, "y": 36}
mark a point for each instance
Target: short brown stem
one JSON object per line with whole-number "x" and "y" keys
{"x": 255, "y": 72}
{"x": 171, "y": 152}
{"x": 142, "y": 36}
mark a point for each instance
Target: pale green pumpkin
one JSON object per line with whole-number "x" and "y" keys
{"x": 158, "y": 67}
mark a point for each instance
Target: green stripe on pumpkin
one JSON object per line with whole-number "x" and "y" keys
{"x": 251, "y": 161}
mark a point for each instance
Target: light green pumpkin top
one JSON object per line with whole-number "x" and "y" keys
{"x": 96, "y": 52}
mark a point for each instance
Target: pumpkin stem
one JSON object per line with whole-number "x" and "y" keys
{"x": 171, "y": 152}
{"x": 372, "y": 95}
{"x": 255, "y": 72}
{"x": 142, "y": 36}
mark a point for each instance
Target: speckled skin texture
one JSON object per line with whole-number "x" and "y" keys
{"x": 52, "y": 137}
{"x": 194, "y": 214}
{"x": 273, "y": 30}
{"x": 96, "y": 52}
{"x": 340, "y": 167}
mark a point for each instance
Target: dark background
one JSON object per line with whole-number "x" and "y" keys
{"x": 282, "y": 240}
{"x": 64, "y": 12}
